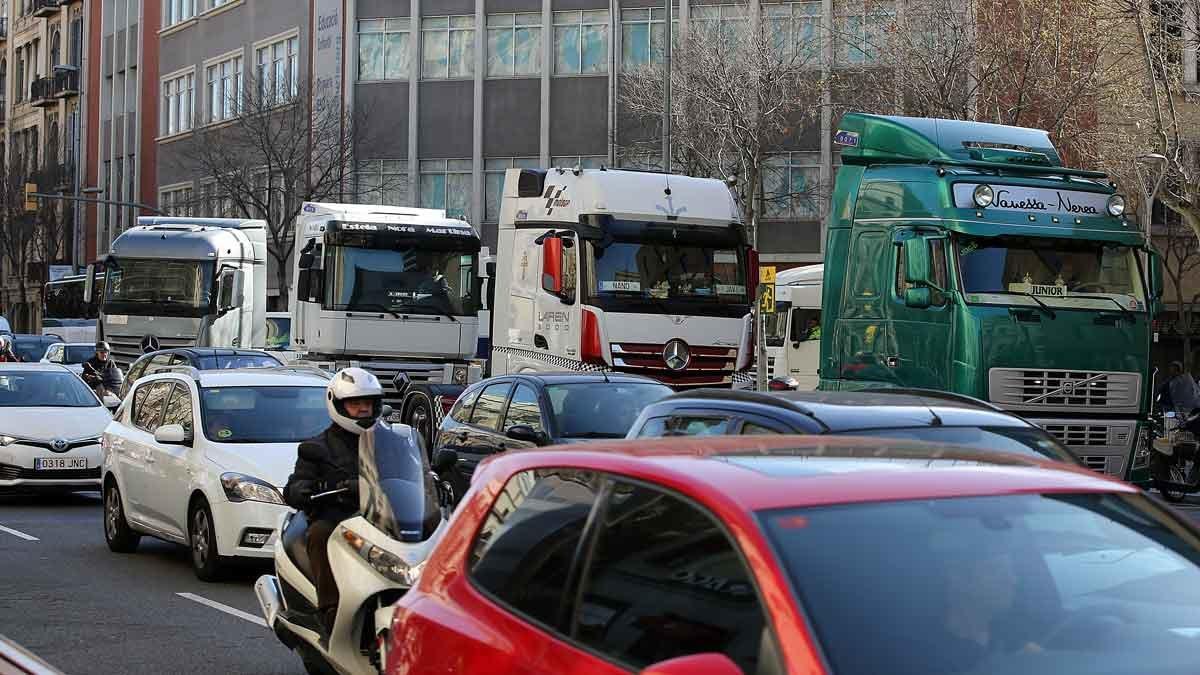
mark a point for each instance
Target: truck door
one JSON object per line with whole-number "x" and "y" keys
{"x": 920, "y": 308}
{"x": 862, "y": 348}
{"x": 802, "y": 347}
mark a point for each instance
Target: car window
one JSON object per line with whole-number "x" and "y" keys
{"x": 1028, "y": 441}
{"x": 461, "y": 412}
{"x": 148, "y": 412}
{"x": 135, "y": 372}
{"x": 600, "y": 409}
{"x": 158, "y": 361}
{"x": 663, "y": 581}
{"x": 78, "y": 353}
{"x": 225, "y": 362}
{"x": 524, "y": 409}
{"x": 263, "y": 414}
{"x": 685, "y": 425}
{"x": 179, "y": 408}
{"x": 487, "y": 409}
{"x": 47, "y": 388}
{"x": 524, "y": 553}
{"x": 752, "y": 429}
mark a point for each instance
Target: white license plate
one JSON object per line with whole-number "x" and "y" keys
{"x": 59, "y": 463}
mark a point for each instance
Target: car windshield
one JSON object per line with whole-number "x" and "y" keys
{"x": 78, "y": 353}
{"x": 231, "y": 361}
{"x": 50, "y": 389}
{"x": 1063, "y": 272}
{"x": 600, "y": 409}
{"x": 31, "y": 349}
{"x": 279, "y": 332}
{"x": 263, "y": 414}
{"x": 1062, "y": 584}
{"x": 159, "y": 287}
{"x": 407, "y": 279}
{"x": 1019, "y": 440}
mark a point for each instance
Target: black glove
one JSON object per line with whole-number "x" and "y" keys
{"x": 299, "y": 494}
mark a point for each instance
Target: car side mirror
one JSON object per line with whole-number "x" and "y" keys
{"x": 172, "y": 434}
{"x": 444, "y": 460}
{"x": 526, "y": 434}
{"x": 708, "y": 663}
{"x": 918, "y": 297}
{"x": 112, "y": 403}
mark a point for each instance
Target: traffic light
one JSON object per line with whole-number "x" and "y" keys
{"x": 31, "y": 202}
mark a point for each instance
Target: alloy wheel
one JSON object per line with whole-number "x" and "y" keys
{"x": 112, "y": 512}
{"x": 200, "y": 533}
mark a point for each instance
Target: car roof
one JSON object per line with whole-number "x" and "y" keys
{"x": 243, "y": 377}
{"x": 575, "y": 377}
{"x": 843, "y": 411}
{"x": 209, "y": 351}
{"x": 771, "y": 472}
{"x": 34, "y": 336}
{"x": 35, "y": 365}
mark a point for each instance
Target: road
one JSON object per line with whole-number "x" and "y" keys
{"x": 84, "y": 609}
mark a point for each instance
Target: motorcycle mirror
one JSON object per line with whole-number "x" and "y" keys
{"x": 444, "y": 460}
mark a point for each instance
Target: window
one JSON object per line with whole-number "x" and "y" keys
{"x": 790, "y": 182}
{"x": 493, "y": 182}
{"x": 461, "y": 412}
{"x": 514, "y": 45}
{"x": 665, "y": 581}
{"x": 794, "y": 27}
{"x": 176, "y": 201}
{"x": 148, "y": 403}
{"x": 491, "y": 402}
{"x": 179, "y": 408}
{"x": 752, "y": 429}
{"x": 383, "y": 49}
{"x": 524, "y": 410}
{"x": 278, "y": 70}
{"x": 576, "y": 161}
{"x": 525, "y": 551}
{"x": 868, "y": 248}
{"x": 225, "y": 86}
{"x": 719, "y": 22}
{"x": 447, "y": 47}
{"x": 937, "y": 266}
{"x": 383, "y": 181}
{"x": 177, "y": 11}
{"x": 446, "y": 184}
{"x": 643, "y": 35}
{"x": 178, "y": 100}
{"x": 580, "y": 42}
{"x": 587, "y": 411}
{"x": 859, "y": 31}
{"x": 676, "y": 425}
{"x": 213, "y": 4}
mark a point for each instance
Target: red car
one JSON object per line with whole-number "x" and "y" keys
{"x": 801, "y": 555}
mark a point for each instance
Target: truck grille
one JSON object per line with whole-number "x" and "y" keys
{"x": 1097, "y": 463}
{"x": 709, "y": 366}
{"x": 418, "y": 372}
{"x": 1020, "y": 388}
{"x": 1103, "y": 447}
{"x": 128, "y": 348}
{"x": 1075, "y": 435}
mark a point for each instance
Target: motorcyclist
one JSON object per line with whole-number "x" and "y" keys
{"x": 100, "y": 372}
{"x": 7, "y": 355}
{"x": 354, "y": 399}
{"x": 1180, "y": 391}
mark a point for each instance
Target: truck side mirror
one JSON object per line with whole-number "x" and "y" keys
{"x": 307, "y": 255}
{"x": 916, "y": 261}
{"x": 1154, "y": 262}
{"x": 918, "y": 297}
{"x": 552, "y": 265}
{"x": 230, "y": 292}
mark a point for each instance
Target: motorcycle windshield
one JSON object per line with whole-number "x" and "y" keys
{"x": 396, "y": 487}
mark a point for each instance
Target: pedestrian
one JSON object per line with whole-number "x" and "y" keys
{"x": 7, "y": 355}
{"x": 328, "y": 463}
{"x": 1181, "y": 389}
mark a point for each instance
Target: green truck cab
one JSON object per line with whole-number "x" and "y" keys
{"x": 963, "y": 257}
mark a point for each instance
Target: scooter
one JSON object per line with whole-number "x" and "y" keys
{"x": 376, "y": 556}
{"x": 1175, "y": 462}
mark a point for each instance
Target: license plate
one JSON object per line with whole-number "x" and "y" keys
{"x": 59, "y": 463}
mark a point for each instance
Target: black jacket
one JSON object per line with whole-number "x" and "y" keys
{"x": 105, "y": 372}
{"x": 321, "y": 463}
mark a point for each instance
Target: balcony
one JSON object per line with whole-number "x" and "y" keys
{"x": 3, "y": 27}
{"x": 66, "y": 81}
{"x": 47, "y": 7}
{"x": 41, "y": 93}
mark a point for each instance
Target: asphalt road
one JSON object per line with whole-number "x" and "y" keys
{"x": 84, "y": 609}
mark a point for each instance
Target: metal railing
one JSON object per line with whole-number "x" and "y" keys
{"x": 66, "y": 82}
{"x": 41, "y": 92}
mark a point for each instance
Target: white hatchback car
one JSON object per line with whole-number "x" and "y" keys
{"x": 200, "y": 458}
{"x": 50, "y": 426}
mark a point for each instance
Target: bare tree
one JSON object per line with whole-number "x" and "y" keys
{"x": 281, "y": 148}
{"x": 29, "y": 241}
{"x": 739, "y": 90}
{"x": 1181, "y": 259}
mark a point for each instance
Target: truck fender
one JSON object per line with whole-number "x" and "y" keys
{"x": 431, "y": 397}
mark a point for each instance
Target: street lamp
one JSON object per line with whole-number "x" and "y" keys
{"x": 1150, "y": 182}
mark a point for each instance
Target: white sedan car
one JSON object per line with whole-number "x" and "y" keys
{"x": 200, "y": 458}
{"x": 50, "y": 427}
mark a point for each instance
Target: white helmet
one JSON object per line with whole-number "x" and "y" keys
{"x": 351, "y": 383}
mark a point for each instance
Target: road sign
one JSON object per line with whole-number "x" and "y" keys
{"x": 768, "y": 299}
{"x": 31, "y": 202}
{"x": 766, "y": 275}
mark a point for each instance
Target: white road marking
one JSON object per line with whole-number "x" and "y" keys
{"x": 224, "y": 608}
{"x": 18, "y": 533}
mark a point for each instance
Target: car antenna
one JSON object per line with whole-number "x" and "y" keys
{"x": 937, "y": 420}
{"x": 605, "y": 374}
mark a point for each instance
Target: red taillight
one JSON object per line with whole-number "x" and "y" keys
{"x": 752, "y": 274}
{"x": 590, "y": 348}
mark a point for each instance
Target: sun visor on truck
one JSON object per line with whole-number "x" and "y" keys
{"x": 871, "y": 139}
{"x": 401, "y": 235}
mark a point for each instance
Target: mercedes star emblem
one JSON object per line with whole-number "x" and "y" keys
{"x": 150, "y": 344}
{"x": 58, "y": 445}
{"x": 676, "y": 355}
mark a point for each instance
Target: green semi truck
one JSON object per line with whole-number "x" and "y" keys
{"x": 964, "y": 257}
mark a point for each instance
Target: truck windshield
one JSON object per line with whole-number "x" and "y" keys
{"x": 1064, "y": 272}
{"x": 410, "y": 280}
{"x": 776, "y": 323}
{"x": 640, "y": 266}
{"x": 159, "y": 287}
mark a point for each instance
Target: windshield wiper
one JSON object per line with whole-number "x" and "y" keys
{"x": 375, "y": 306}
{"x": 1045, "y": 308}
{"x": 444, "y": 312}
{"x": 1124, "y": 310}
{"x": 595, "y": 434}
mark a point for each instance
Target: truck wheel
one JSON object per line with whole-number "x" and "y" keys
{"x": 420, "y": 418}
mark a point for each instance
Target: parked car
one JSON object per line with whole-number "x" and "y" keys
{"x": 50, "y": 427}
{"x": 70, "y": 354}
{"x": 932, "y": 416}
{"x": 200, "y": 358}
{"x": 787, "y": 554}
{"x": 523, "y": 411}
{"x": 31, "y": 348}
{"x": 200, "y": 458}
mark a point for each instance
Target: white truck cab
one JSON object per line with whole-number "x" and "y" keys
{"x": 797, "y": 326}
{"x": 628, "y": 271}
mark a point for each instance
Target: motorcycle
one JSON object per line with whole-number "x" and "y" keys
{"x": 1175, "y": 462}
{"x": 376, "y": 556}
{"x": 107, "y": 396}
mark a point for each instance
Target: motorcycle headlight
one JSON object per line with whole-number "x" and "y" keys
{"x": 242, "y": 488}
{"x": 383, "y": 562}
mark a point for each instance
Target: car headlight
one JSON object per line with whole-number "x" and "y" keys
{"x": 6, "y": 440}
{"x": 1116, "y": 206}
{"x": 242, "y": 488}
{"x": 983, "y": 196}
{"x": 383, "y": 562}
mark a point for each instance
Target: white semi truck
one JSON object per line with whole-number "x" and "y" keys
{"x": 794, "y": 332}
{"x": 182, "y": 282}
{"x": 626, "y": 271}
{"x": 394, "y": 290}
